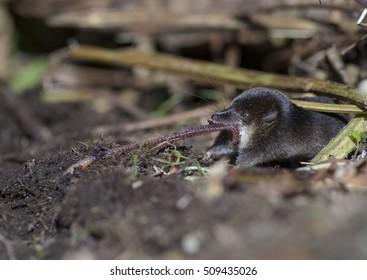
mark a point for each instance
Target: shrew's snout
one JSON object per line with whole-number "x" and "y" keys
{"x": 227, "y": 116}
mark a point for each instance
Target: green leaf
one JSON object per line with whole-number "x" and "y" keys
{"x": 168, "y": 105}
{"x": 355, "y": 136}
{"x": 29, "y": 76}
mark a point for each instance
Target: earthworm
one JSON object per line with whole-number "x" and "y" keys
{"x": 125, "y": 149}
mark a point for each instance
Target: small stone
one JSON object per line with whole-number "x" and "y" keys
{"x": 137, "y": 184}
{"x": 183, "y": 202}
{"x": 190, "y": 244}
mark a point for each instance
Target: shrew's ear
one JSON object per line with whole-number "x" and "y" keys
{"x": 270, "y": 116}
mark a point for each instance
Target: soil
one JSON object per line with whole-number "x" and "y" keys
{"x": 156, "y": 204}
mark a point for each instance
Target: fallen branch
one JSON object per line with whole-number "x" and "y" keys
{"x": 206, "y": 71}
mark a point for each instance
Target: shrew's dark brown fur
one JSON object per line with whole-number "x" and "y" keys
{"x": 273, "y": 130}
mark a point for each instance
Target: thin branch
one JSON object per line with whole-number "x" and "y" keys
{"x": 25, "y": 120}
{"x": 155, "y": 122}
{"x": 205, "y": 71}
{"x": 329, "y": 108}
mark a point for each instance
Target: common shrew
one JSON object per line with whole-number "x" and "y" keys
{"x": 273, "y": 130}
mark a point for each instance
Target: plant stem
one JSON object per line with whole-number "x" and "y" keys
{"x": 342, "y": 145}
{"x": 204, "y": 71}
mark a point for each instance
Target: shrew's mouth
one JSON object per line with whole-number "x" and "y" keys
{"x": 234, "y": 128}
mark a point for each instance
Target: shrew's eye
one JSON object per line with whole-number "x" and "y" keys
{"x": 244, "y": 117}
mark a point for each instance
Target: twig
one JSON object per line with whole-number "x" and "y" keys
{"x": 156, "y": 122}
{"x": 203, "y": 71}
{"x": 323, "y": 165}
{"x": 353, "y": 45}
{"x": 298, "y": 5}
{"x": 125, "y": 149}
{"x": 143, "y": 21}
{"x": 26, "y": 121}
{"x": 329, "y": 108}
{"x": 336, "y": 65}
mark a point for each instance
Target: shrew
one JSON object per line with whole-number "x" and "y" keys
{"x": 273, "y": 129}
